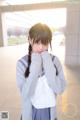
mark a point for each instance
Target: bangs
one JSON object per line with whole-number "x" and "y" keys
{"x": 44, "y": 42}
{"x": 42, "y": 39}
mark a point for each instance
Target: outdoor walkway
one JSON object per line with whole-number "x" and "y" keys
{"x": 68, "y": 105}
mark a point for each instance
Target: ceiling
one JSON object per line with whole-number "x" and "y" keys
{"x": 13, "y": 2}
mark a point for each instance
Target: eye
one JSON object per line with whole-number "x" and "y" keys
{"x": 39, "y": 43}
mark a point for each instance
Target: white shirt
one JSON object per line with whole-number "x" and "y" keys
{"x": 43, "y": 96}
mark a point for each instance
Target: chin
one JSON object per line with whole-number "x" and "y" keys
{"x": 40, "y": 51}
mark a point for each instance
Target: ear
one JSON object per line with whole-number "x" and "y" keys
{"x": 30, "y": 42}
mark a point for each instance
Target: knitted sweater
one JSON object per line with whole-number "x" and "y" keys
{"x": 27, "y": 85}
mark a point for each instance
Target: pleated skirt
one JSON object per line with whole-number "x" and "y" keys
{"x": 40, "y": 114}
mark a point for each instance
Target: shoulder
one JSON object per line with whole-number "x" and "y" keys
{"x": 56, "y": 61}
{"x": 22, "y": 62}
{"x": 54, "y": 58}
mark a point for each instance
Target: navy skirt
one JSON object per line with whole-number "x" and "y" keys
{"x": 40, "y": 114}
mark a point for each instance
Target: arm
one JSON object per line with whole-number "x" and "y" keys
{"x": 57, "y": 83}
{"x": 27, "y": 85}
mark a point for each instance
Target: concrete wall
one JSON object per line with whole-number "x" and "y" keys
{"x": 72, "y": 51}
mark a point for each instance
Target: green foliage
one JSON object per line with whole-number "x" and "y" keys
{"x": 16, "y": 40}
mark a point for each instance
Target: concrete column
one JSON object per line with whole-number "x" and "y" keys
{"x": 1, "y": 33}
{"x": 72, "y": 44}
{"x": 3, "y": 30}
{"x": 79, "y": 45}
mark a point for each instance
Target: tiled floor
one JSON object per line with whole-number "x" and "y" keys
{"x": 68, "y": 104}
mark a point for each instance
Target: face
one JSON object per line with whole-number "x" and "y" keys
{"x": 39, "y": 47}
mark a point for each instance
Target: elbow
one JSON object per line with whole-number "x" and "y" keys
{"x": 60, "y": 89}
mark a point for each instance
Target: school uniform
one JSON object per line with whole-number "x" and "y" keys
{"x": 38, "y": 91}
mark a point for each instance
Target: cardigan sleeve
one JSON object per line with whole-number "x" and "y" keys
{"x": 56, "y": 82}
{"x": 60, "y": 78}
{"x": 27, "y": 85}
{"x": 20, "y": 78}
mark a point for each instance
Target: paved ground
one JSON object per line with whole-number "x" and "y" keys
{"x": 68, "y": 105}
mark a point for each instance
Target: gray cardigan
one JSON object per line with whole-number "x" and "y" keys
{"x": 27, "y": 85}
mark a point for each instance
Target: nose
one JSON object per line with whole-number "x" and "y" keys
{"x": 41, "y": 47}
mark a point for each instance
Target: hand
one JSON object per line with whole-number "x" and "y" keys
{"x": 36, "y": 63}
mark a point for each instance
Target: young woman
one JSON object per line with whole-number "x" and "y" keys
{"x": 39, "y": 76}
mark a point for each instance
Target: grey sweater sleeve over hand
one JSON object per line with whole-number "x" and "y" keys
{"x": 28, "y": 86}
{"x": 57, "y": 83}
